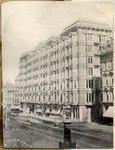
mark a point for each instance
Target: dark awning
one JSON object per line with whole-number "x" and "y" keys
{"x": 109, "y": 112}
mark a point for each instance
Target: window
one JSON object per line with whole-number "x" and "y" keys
{"x": 61, "y": 98}
{"x": 90, "y": 59}
{"x": 92, "y": 97}
{"x": 102, "y": 38}
{"x": 61, "y": 86}
{"x": 39, "y": 97}
{"x": 101, "y": 71}
{"x": 89, "y": 83}
{"x": 89, "y": 71}
{"x": 88, "y": 37}
{"x": 99, "y": 38}
{"x": 109, "y": 66}
{"x": 67, "y": 47}
{"x": 106, "y": 81}
{"x": 75, "y": 85}
{"x": 100, "y": 48}
{"x": 112, "y": 81}
{"x": 55, "y": 96}
{"x": 67, "y": 85}
{"x": 44, "y": 97}
{"x": 107, "y": 97}
{"x": 89, "y": 97}
{"x": 88, "y": 48}
{"x": 49, "y": 98}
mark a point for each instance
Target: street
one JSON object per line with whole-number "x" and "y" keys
{"x": 37, "y": 135}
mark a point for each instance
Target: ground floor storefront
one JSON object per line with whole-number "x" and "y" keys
{"x": 103, "y": 113}
{"x": 100, "y": 112}
{"x": 108, "y": 113}
{"x": 74, "y": 112}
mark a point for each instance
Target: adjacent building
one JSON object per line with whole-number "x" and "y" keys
{"x": 9, "y": 95}
{"x": 106, "y": 60}
{"x": 63, "y": 72}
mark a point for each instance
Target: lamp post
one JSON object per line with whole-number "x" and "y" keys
{"x": 67, "y": 141}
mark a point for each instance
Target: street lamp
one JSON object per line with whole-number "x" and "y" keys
{"x": 67, "y": 142}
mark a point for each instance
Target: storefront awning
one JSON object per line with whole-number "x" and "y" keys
{"x": 15, "y": 107}
{"x": 47, "y": 111}
{"x": 39, "y": 110}
{"x": 55, "y": 112}
{"x": 109, "y": 112}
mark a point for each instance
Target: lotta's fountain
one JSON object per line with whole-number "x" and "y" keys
{"x": 67, "y": 141}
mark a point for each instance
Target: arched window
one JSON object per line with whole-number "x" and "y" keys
{"x": 110, "y": 73}
{"x": 105, "y": 74}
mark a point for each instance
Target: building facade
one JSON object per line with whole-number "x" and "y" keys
{"x": 106, "y": 59}
{"x": 63, "y": 71}
{"x": 9, "y": 95}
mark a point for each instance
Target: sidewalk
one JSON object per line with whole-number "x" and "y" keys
{"x": 92, "y": 126}
{"x": 75, "y": 125}
{"x": 36, "y": 118}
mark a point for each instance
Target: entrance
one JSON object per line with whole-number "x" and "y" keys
{"x": 31, "y": 108}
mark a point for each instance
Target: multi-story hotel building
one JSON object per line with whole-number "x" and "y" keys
{"x": 63, "y": 70}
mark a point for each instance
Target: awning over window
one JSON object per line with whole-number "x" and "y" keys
{"x": 109, "y": 112}
{"x": 55, "y": 112}
{"x": 48, "y": 111}
{"x": 15, "y": 107}
{"x": 39, "y": 110}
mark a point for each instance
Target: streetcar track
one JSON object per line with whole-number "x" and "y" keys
{"x": 80, "y": 137}
{"x": 73, "y": 130}
{"x": 84, "y": 135}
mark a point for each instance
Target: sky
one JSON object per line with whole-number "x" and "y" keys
{"x": 26, "y": 24}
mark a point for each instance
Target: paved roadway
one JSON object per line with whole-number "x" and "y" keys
{"x": 40, "y": 135}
